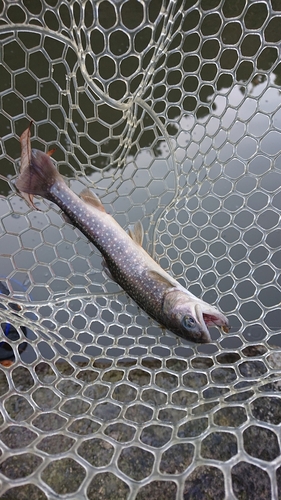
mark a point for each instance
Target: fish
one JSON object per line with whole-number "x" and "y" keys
{"x": 125, "y": 260}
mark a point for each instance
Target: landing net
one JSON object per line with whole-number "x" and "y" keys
{"x": 171, "y": 112}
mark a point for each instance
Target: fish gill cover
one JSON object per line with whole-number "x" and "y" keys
{"x": 171, "y": 113}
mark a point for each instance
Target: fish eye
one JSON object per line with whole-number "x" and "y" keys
{"x": 188, "y": 322}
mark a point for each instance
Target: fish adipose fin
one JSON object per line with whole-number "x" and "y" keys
{"x": 92, "y": 199}
{"x": 137, "y": 233}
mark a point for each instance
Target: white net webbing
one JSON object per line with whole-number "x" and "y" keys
{"x": 171, "y": 112}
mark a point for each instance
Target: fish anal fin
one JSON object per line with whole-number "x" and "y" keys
{"x": 137, "y": 233}
{"x": 161, "y": 279}
{"x": 91, "y": 199}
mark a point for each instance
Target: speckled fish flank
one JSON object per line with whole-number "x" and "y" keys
{"x": 154, "y": 290}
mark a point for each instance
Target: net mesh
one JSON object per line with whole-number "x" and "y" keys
{"x": 171, "y": 111}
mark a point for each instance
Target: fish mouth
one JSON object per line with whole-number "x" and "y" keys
{"x": 217, "y": 320}
{"x": 181, "y": 303}
{"x": 210, "y": 318}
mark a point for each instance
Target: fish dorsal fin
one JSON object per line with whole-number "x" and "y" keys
{"x": 92, "y": 199}
{"x": 161, "y": 279}
{"x": 137, "y": 233}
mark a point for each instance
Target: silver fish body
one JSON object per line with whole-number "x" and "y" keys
{"x": 154, "y": 290}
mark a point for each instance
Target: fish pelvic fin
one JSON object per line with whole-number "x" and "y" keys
{"x": 137, "y": 233}
{"x": 92, "y": 199}
{"x": 37, "y": 172}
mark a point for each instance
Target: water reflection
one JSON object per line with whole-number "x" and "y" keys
{"x": 189, "y": 116}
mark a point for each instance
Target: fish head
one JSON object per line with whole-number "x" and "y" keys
{"x": 189, "y": 317}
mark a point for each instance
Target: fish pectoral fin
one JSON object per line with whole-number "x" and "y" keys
{"x": 137, "y": 233}
{"x": 92, "y": 199}
{"x": 161, "y": 279}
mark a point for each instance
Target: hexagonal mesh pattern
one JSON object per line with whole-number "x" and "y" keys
{"x": 171, "y": 111}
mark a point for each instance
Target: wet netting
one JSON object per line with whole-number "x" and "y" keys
{"x": 171, "y": 112}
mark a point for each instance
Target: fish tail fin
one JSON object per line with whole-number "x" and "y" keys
{"x": 37, "y": 173}
{"x": 37, "y": 177}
